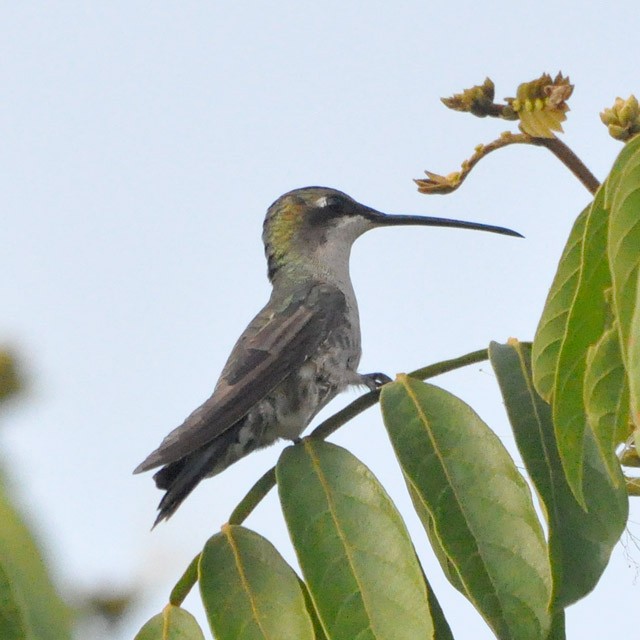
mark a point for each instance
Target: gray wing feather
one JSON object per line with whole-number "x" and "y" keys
{"x": 269, "y": 350}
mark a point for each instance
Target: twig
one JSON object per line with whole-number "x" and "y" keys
{"x": 570, "y": 160}
{"x": 186, "y": 582}
{"x": 253, "y": 497}
{"x": 435, "y": 183}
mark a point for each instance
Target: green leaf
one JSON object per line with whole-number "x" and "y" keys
{"x": 557, "y": 627}
{"x": 625, "y": 157}
{"x": 586, "y": 322}
{"x": 479, "y": 506}
{"x": 12, "y": 623}
{"x": 311, "y": 610}
{"x": 442, "y": 630}
{"x": 45, "y": 614}
{"x": 624, "y": 241}
{"x": 553, "y": 323}
{"x": 249, "y": 591}
{"x": 173, "y": 623}
{"x": 352, "y": 545}
{"x": 580, "y": 542}
{"x": 448, "y": 567}
{"x": 633, "y": 360}
{"x": 606, "y": 399}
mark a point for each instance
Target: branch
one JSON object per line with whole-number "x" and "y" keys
{"x": 570, "y": 160}
{"x": 435, "y": 183}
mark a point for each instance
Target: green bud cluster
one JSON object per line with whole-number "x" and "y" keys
{"x": 622, "y": 119}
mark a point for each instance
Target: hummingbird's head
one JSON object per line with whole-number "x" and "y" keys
{"x": 314, "y": 228}
{"x": 303, "y": 225}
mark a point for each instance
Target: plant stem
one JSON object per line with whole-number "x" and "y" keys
{"x": 186, "y": 582}
{"x": 433, "y": 370}
{"x": 253, "y": 497}
{"x": 333, "y": 423}
{"x": 570, "y": 160}
{"x": 434, "y": 183}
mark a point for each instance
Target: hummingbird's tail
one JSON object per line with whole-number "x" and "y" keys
{"x": 181, "y": 477}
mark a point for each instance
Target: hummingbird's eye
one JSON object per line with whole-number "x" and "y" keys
{"x": 329, "y": 203}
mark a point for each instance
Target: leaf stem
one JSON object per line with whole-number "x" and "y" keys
{"x": 186, "y": 582}
{"x": 253, "y": 497}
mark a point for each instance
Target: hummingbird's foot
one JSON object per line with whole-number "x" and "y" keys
{"x": 375, "y": 380}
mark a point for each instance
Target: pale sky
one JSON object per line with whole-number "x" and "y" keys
{"x": 141, "y": 146}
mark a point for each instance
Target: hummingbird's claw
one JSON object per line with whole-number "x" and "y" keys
{"x": 375, "y": 380}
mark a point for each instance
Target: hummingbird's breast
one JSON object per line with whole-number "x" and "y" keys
{"x": 328, "y": 367}
{"x": 327, "y": 372}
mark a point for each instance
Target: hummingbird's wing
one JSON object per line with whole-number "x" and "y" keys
{"x": 273, "y": 345}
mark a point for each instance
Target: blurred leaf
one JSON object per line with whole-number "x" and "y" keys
{"x": 629, "y": 455}
{"x": 249, "y": 591}
{"x": 45, "y": 614}
{"x": 352, "y": 545}
{"x": 110, "y": 604}
{"x": 9, "y": 377}
{"x": 606, "y": 399}
{"x": 173, "y": 623}
{"x": 12, "y": 623}
{"x": 633, "y": 486}
{"x": 553, "y": 323}
{"x": 480, "y": 507}
{"x": 586, "y": 322}
{"x": 580, "y": 542}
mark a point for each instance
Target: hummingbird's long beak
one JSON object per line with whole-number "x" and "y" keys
{"x": 387, "y": 220}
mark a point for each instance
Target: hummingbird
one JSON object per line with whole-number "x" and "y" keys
{"x": 299, "y": 352}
